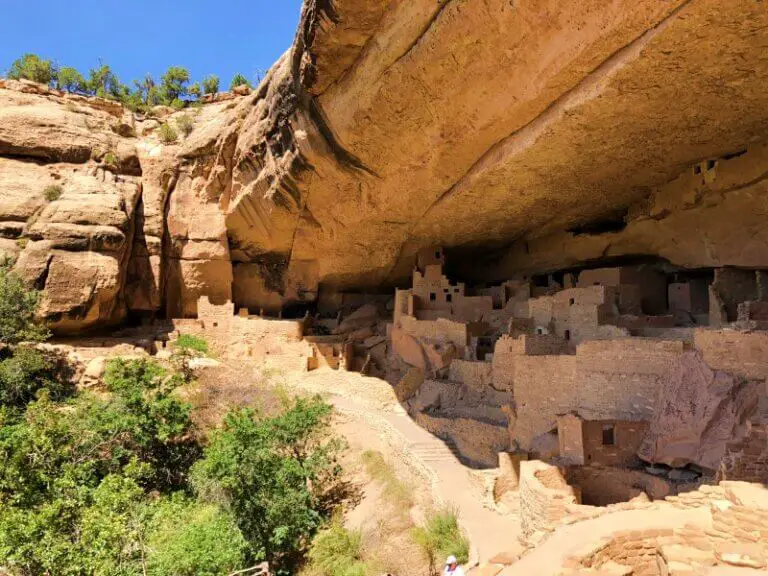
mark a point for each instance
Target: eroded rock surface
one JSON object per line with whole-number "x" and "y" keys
{"x": 697, "y": 413}
{"x": 526, "y": 136}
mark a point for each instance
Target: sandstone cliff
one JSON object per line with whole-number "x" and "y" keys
{"x": 530, "y": 136}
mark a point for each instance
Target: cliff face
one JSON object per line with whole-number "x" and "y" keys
{"x": 527, "y": 136}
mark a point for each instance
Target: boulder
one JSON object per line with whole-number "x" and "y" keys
{"x": 242, "y": 90}
{"x": 698, "y": 411}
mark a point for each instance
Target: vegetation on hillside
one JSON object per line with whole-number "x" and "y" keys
{"x": 119, "y": 482}
{"x": 174, "y": 88}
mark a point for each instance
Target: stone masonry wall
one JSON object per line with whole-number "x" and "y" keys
{"x": 476, "y": 441}
{"x": 477, "y": 375}
{"x": 609, "y": 379}
{"x": 601, "y": 485}
{"x": 747, "y": 459}
{"x": 544, "y": 499}
{"x": 441, "y": 330}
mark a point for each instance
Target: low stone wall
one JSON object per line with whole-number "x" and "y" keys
{"x": 477, "y": 375}
{"x": 636, "y": 549}
{"x": 736, "y": 537}
{"x": 603, "y": 485}
{"x": 545, "y": 498}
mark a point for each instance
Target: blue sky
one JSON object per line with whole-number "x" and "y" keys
{"x": 134, "y": 37}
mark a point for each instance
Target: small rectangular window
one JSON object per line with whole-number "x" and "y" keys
{"x": 609, "y": 435}
{"x": 448, "y": 297}
{"x": 437, "y": 254}
{"x": 571, "y": 301}
{"x": 567, "y": 334}
{"x": 432, "y": 296}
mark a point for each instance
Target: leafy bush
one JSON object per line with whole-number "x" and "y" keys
{"x": 173, "y": 83}
{"x": 186, "y": 347}
{"x": 18, "y": 307}
{"x": 152, "y": 424}
{"x": 111, "y": 160}
{"x": 71, "y": 80}
{"x": 239, "y": 80}
{"x": 23, "y": 374}
{"x": 273, "y": 473}
{"x": 32, "y": 67}
{"x": 104, "y": 83}
{"x": 190, "y": 342}
{"x": 52, "y": 192}
{"x": 22, "y": 242}
{"x": 195, "y": 91}
{"x": 441, "y": 537}
{"x": 211, "y": 84}
{"x": 167, "y": 134}
{"x": 185, "y": 124}
{"x": 80, "y": 505}
{"x": 337, "y": 551}
{"x": 193, "y": 539}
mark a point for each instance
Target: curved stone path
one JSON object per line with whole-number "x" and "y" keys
{"x": 489, "y": 532}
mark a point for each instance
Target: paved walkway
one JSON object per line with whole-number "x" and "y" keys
{"x": 489, "y": 532}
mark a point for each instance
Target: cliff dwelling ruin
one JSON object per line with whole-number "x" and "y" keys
{"x": 548, "y": 233}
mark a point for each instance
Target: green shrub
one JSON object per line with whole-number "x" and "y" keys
{"x": 111, "y": 160}
{"x": 186, "y": 347}
{"x": 195, "y": 91}
{"x": 22, "y": 242}
{"x": 273, "y": 474}
{"x": 104, "y": 83}
{"x": 23, "y": 374}
{"x": 192, "y": 539}
{"x": 190, "y": 342}
{"x": 32, "y": 67}
{"x": 18, "y": 306}
{"x": 173, "y": 84}
{"x": 167, "y": 134}
{"x": 52, "y": 192}
{"x": 239, "y": 80}
{"x": 71, "y": 80}
{"x": 337, "y": 551}
{"x": 185, "y": 124}
{"x": 441, "y": 537}
{"x": 211, "y": 84}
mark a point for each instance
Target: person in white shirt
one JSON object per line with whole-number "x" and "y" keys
{"x": 452, "y": 567}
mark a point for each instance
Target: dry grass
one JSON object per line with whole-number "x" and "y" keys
{"x": 398, "y": 493}
{"x": 387, "y": 544}
{"x": 219, "y": 390}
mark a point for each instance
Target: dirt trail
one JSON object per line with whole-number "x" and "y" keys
{"x": 371, "y": 402}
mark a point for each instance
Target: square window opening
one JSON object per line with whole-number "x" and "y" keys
{"x": 432, "y": 296}
{"x": 448, "y": 297}
{"x": 571, "y": 301}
